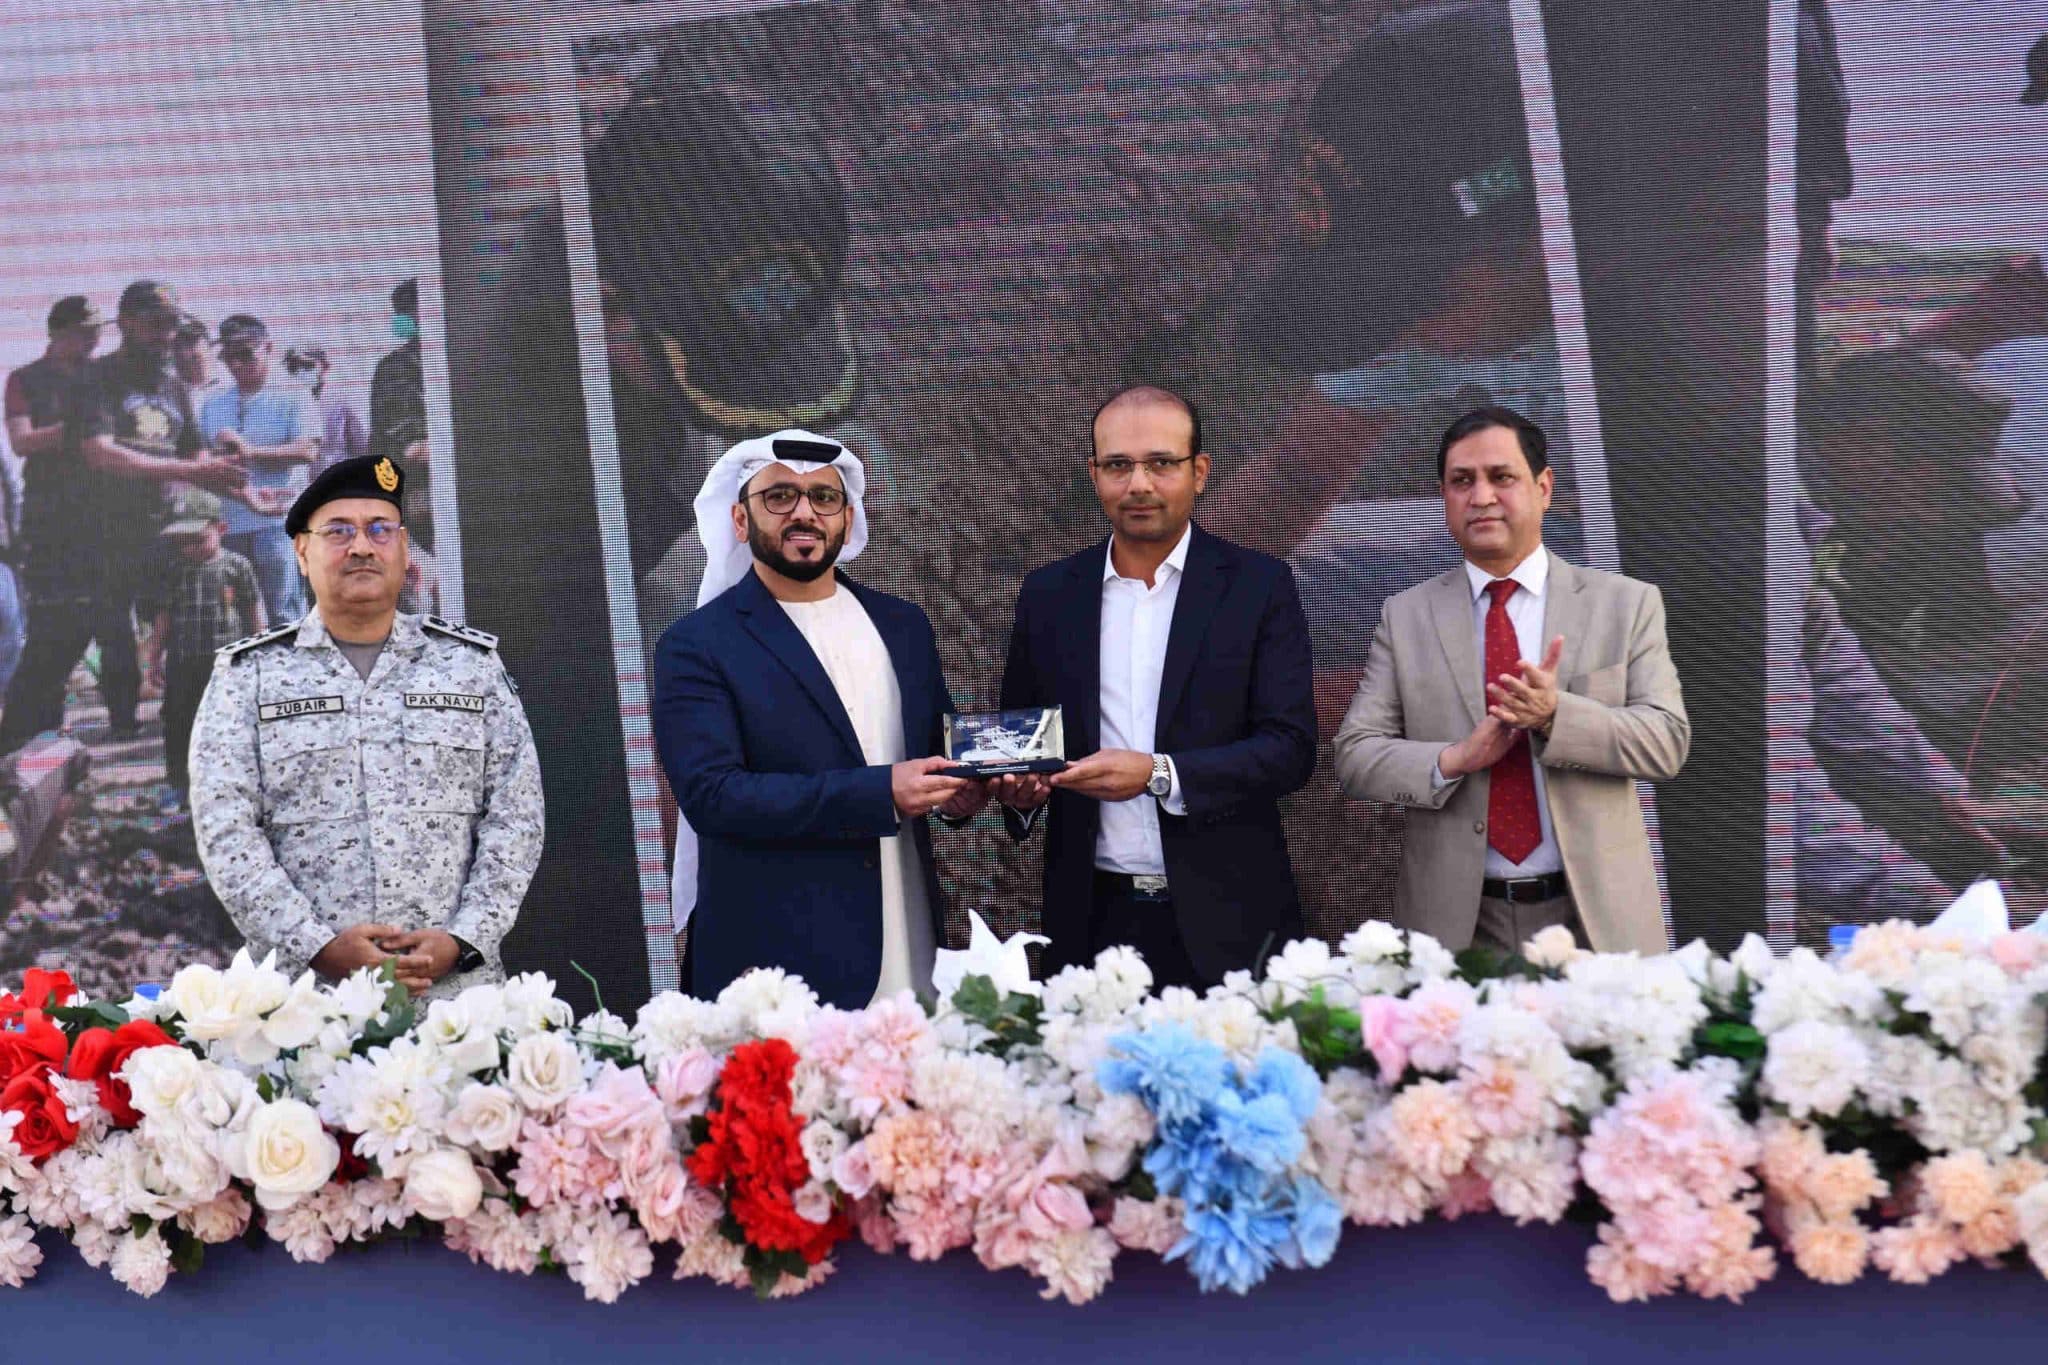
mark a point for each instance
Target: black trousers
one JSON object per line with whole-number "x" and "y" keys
{"x": 184, "y": 684}
{"x": 62, "y": 621}
{"x": 1145, "y": 923}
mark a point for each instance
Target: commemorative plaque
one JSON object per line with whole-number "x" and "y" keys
{"x": 994, "y": 743}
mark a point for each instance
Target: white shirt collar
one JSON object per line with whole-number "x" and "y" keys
{"x": 1177, "y": 561}
{"x": 1532, "y": 573}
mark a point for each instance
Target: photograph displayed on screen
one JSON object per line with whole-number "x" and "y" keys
{"x": 221, "y": 249}
{"x": 1921, "y": 687}
{"x": 945, "y": 245}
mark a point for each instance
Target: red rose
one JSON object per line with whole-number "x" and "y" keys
{"x": 31, "y": 1042}
{"x": 39, "y": 990}
{"x": 98, "y": 1056}
{"x": 45, "y": 1129}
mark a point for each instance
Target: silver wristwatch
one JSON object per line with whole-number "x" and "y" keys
{"x": 1162, "y": 777}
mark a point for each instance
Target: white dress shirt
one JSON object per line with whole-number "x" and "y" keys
{"x": 855, "y": 659}
{"x": 1136, "y": 620}
{"x": 1525, "y": 611}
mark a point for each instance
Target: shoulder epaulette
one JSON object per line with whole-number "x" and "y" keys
{"x": 469, "y": 635}
{"x": 237, "y": 648}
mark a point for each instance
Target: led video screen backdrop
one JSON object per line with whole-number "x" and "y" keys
{"x": 1769, "y": 275}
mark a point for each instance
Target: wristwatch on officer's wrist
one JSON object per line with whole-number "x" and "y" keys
{"x": 469, "y": 959}
{"x": 1162, "y": 777}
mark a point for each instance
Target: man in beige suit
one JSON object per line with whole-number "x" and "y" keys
{"x": 1521, "y": 796}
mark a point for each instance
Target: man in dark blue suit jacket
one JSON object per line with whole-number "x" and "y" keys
{"x": 1181, "y": 663}
{"x": 762, "y": 751}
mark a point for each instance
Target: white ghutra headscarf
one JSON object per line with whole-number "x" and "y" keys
{"x": 728, "y": 558}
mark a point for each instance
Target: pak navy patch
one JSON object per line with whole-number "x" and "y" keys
{"x": 443, "y": 701}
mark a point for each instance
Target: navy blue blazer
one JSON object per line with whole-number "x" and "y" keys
{"x": 1236, "y": 714}
{"x": 765, "y": 765}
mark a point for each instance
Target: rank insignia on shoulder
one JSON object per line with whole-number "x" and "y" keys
{"x": 469, "y": 635}
{"x": 242, "y": 646}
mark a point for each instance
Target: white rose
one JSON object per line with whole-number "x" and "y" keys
{"x": 1373, "y": 941}
{"x": 158, "y": 1078}
{"x": 1551, "y": 947}
{"x": 299, "y": 1019}
{"x": 442, "y": 1185}
{"x": 544, "y": 1070}
{"x": 822, "y": 1145}
{"x": 285, "y": 1153}
{"x": 485, "y": 1117}
{"x": 467, "y": 1041}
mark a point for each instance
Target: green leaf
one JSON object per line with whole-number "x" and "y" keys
{"x": 976, "y": 998}
{"x": 188, "y": 1253}
{"x": 266, "y": 1088}
{"x": 99, "y": 1014}
{"x": 1730, "y": 1038}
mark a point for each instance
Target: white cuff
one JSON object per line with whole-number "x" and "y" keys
{"x": 1175, "y": 802}
{"x": 1437, "y": 780}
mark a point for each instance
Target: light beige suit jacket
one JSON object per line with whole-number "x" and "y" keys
{"x": 1620, "y": 717}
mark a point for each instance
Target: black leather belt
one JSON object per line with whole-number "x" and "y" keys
{"x": 1525, "y": 890}
{"x": 1138, "y": 886}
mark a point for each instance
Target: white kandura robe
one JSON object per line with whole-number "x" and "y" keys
{"x": 848, "y": 645}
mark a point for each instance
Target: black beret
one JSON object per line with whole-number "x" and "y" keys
{"x": 366, "y": 476}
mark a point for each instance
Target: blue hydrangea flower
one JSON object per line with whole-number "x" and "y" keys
{"x": 1175, "y": 1073}
{"x": 1227, "y": 1144}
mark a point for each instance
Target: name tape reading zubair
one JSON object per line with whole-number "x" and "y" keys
{"x": 299, "y": 706}
{"x": 443, "y": 701}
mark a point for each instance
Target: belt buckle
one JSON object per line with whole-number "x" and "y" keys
{"x": 1150, "y": 885}
{"x": 1516, "y": 886}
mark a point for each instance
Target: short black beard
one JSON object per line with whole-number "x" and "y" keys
{"x": 767, "y": 548}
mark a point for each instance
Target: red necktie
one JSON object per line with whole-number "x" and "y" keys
{"x": 1513, "y": 828}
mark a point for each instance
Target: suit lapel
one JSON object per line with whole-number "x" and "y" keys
{"x": 1564, "y": 613}
{"x": 1202, "y": 585}
{"x": 1450, "y": 606}
{"x": 767, "y": 622}
{"x": 1081, "y": 643}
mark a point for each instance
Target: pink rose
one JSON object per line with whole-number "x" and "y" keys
{"x": 1054, "y": 1206}
{"x": 852, "y": 1172}
{"x": 2017, "y": 953}
{"x": 614, "y": 1105}
{"x": 683, "y": 1084}
{"x": 1388, "y": 1032}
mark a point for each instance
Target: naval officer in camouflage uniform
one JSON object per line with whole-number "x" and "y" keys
{"x": 364, "y": 786}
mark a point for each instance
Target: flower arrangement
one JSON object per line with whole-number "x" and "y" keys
{"x": 1713, "y": 1120}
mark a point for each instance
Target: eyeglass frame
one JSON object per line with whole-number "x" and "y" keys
{"x": 357, "y": 530}
{"x": 1158, "y": 466}
{"x": 803, "y": 494}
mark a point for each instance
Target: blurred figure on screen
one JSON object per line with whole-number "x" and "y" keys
{"x": 1418, "y": 291}
{"x": 721, "y": 242}
{"x": 192, "y": 362}
{"x": 398, "y": 408}
{"x": 344, "y": 437}
{"x": 37, "y": 396}
{"x": 273, "y": 431}
{"x": 93, "y": 510}
{"x": 207, "y": 597}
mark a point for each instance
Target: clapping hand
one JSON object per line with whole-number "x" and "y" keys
{"x": 1529, "y": 701}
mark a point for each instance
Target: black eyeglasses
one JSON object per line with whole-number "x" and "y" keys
{"x": 1117, "y": 468}
{"x": 782, "y": 499}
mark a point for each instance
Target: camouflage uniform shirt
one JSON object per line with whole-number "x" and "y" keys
{"x": 321, "y": 799}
